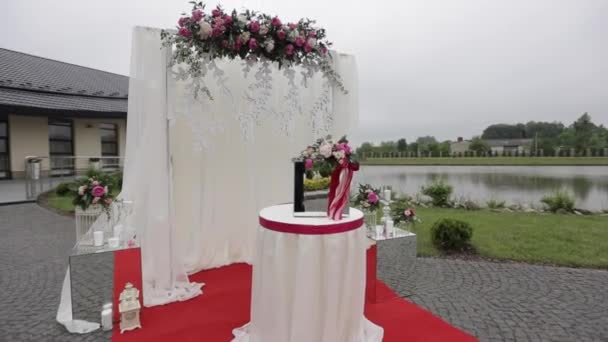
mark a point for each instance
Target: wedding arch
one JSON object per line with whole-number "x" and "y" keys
{"x": 199, "y": 168}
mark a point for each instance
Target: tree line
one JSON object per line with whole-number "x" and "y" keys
{"x": 549, "y": 137}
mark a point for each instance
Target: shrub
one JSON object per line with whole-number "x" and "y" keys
{"x": 495, "y": 204}
{"x": 316, "y": 184}
{"x": 64, "y": 188}
{"x": 559, "y": 201}
{"x": 439, "y": 191}
{"x": 449, "y": 234}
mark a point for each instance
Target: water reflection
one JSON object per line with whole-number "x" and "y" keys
{"x": 514, "y": 184}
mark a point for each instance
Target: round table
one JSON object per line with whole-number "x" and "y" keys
{"x": 308, "y": 280}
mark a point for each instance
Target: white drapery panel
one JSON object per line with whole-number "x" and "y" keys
{"x": 230, "y": 156}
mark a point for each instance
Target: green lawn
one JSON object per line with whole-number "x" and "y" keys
{"x": 567, "y": 240}
{"x": 489, "y": 161}
{"x": 60, "y": 203}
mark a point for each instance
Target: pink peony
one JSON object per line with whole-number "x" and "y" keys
{"x": 344, "y": 147}
{"x": 308, "y": 163}
{"x": 293, "y": 26}
{"x": 276, "y": 22}
{"x": 281, "y": 34}
{"x": 182, "y": 21}
{"x": 307, "y": 48}
{"x": 254, "y": 26}
{"x": 312, "y": 34}
{"x": 197, "y": 15}
{"x": 184, "y": 32}
{"x": 372, "y": 197}
{"x": 300, "y": 41}
{"x": 289, "y": 50}
{"x": 227, "y": 20}
{"x": 253, "y": 44}
{"x": 216, "y": 12}
{"x": 98, "y": 191}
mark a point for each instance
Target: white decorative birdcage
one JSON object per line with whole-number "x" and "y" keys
{"x": 85, "y": 220}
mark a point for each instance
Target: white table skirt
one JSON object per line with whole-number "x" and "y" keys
{"x": 308, "y": 288}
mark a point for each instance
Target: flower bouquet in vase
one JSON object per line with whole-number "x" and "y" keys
{"x": 323, "y": 173}
{"x": 368, "y": 200}
{"x": 92, "y": 198}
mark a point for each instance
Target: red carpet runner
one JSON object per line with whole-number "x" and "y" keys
{"x": 225, "y": 304}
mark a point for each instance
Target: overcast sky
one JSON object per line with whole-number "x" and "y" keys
{"x": 446, "y": 68}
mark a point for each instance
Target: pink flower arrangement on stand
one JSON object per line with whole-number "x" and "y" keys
{"x": 339, "y": 155}
{"x": 93, "y": 191}
{"x": 368, "y": 198}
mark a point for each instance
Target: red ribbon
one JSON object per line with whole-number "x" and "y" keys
{"x": 311, "y": 230}
{"x": 337, "y": 200}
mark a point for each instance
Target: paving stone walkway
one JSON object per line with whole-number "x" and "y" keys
{"x": 493, "y": 301}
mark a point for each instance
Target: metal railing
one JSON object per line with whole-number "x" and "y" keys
{"x": 44, "y": 173}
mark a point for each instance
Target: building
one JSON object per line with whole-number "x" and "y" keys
{"x": 56, "y": 111}
{"x": 509, "y": 146}
{"x": 460, "y": 146}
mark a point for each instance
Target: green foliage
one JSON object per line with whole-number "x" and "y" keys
{"x": 401, "y": 145}
{"x": 504, "y": 131}
{"x": 398, "y": 206}
{"x": 316, "y": 184}
{"x": 495, "y": 204}
{"x": 450, "y": 234}
{"x": 559, "y": 201}
{"x": 439, "y": 191}
{"x": 64, "y": 188}
{"x": 479, "y": 146}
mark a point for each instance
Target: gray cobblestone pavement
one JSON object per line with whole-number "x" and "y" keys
{"x": 493, "y": 301}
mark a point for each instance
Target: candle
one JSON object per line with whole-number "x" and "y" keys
{"x": 106, "y": 319}
{"x": 113, "y": 242}
{"x": 387, "y": 194}
{"x": 98, "y": 238}
{"x": 390, "y": 228}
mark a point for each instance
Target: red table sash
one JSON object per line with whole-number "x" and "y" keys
{"x": 311, "y": 230}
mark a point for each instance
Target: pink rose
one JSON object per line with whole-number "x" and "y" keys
{"x": 308, "y": 163}
{"x": 312, "y": 34}
{"x": 254, "y": 26}
{"x": 95, "y": 183}
{"x": 289, "y": 50}
{"x": 227, "y": 20}
{"x": 344, "y": 147}
{"x": 216, "y": 12}
{"x": 307, "y": 47}
{"x": 408, "y": 212}
{"x": 253, "y": 44}
{"x": 184, "y": 32}
{"x": 182, "y": 21}
{"x": 197, "y": 15}
{"x": 281, "y": 34}
{"x": 108, "y": 200}
{"x": 276, "y": 22}
{"x": 98, "y": 191}
{"x": 300, "y": 41}
{"x": 95, "y": 200}
{"x": 293, "y": 26}
{"x": 237, "y": 45}
{"x": 372, "y": 197}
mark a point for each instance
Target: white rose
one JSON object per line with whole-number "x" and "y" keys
{"x": 338, "y": 154}
{"x": 81, "y": 190}
{"x": 205, "y": 31}
{"x": 293, "y": 35}
{"x": 245, "y": 37}
{"x": 312, "y": 42}
{"x": 325, "y": 150}
{"x": 269, "y": 45}
{"x": 263, "y": 30}
{"x": 242, "y": 20}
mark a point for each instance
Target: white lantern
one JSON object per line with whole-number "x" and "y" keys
{"x": 129, "y": 308}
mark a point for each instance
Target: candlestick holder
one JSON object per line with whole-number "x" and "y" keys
{"x": 387, "y": 222}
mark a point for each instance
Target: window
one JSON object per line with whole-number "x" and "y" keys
{"x": 4, "y": 157}
{"x": 61, "y": 147}
{"x": 109, "y": 144}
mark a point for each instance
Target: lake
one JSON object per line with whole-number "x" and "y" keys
{"x": 513, "y": 184}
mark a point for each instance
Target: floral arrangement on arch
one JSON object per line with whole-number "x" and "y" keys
{"x": 367, "y": 198}
{"x": 93, "y": 191}
{"x": 250, "y": 35}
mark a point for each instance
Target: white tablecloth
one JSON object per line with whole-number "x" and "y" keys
{"x": 308, "y": 288}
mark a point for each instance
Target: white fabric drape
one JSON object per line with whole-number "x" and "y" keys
{"x": 230, "y": 156}
{"x": 147, "y": 178}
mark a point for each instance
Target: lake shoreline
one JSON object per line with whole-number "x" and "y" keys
{"x": 491, "y": 161}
